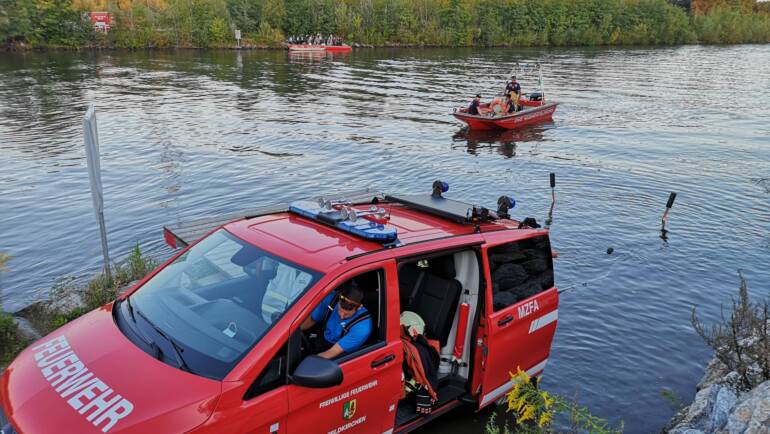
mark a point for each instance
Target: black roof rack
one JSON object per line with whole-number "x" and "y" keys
{"x": 459, "y": 212}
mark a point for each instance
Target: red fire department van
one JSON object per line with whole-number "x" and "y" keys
{"x": 210, "y": 342}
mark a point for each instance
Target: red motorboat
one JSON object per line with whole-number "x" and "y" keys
{"x": 533, "y": 108}
{"x": 306, "y": 47}
{"x": 339, "y": 48}
{"x": 529, "y": 115}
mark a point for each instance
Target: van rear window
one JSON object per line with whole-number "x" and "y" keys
{"x": 520, "y": 270}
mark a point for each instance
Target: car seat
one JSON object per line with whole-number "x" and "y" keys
{"x": 432, "y": 293}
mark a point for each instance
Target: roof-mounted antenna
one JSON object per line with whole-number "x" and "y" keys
{"x": 549, "y": 220}
{"x": 664, "y": 219}
{"x": 439, "y": 187}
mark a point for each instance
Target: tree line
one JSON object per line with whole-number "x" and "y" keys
{"x": 210, "y": 23}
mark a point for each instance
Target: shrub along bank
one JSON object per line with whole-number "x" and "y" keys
{"x": 11, "y": 339}
{"x": 68, "y": 301}
{"x": 734, "y": 393}
{"x": 210, "y": 23}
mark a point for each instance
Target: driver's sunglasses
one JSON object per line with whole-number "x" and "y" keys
{"x": 348, "y": 304}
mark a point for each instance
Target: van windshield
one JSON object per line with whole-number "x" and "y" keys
{"x": 217, "y": 300}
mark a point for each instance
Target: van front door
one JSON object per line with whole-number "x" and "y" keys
{"x": 521, "y": 306}
{"x": 367, "y": 399}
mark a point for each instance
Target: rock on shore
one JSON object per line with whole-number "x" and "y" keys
{"x": 721, "y": 407}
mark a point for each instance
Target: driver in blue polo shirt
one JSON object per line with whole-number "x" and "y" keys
{"x": 346, "y": 323}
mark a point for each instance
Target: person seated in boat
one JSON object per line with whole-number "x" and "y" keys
{"x": 473, "y": 109}
{"x": 510, "y": 106}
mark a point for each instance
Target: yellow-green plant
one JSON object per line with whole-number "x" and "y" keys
{"x": 528, "y": 403}
{"x": 534, "y": 410}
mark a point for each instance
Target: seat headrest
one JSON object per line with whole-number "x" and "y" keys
{"x": 443, "y": 267}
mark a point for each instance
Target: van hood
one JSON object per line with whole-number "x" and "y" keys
{"x": 86, "y": 377}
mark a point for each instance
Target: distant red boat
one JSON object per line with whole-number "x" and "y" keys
{"x": 317, "y": 47}
{"x": 339, "y": 48}
{"x": 533, "y": 112}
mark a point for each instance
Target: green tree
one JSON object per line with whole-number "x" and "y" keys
{"x": 274, "y": 13}
{"x": 56, "y": 22}
{"x": 299, "y": 16}
{"x": 456, "y": 19}
{"x": 219, "y": 31}
{"x": 202, "y": 23}
{"x": 245, "y": 14}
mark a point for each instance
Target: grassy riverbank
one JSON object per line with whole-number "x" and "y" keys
{"x": 209, "y": 23}
{"x": 11, "y": 341}
{"x": 68, "y": 300}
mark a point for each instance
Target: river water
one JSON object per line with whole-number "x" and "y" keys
{"x": 202, "y": 132}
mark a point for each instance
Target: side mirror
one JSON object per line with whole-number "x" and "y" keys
{"x": 317, "y": 372}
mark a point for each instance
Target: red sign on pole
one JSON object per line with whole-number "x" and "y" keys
{"x": 101, "y": 21}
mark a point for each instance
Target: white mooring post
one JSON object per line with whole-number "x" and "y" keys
{"x": 91, "y": 140}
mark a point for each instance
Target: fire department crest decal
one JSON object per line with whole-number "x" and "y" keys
{"x": 349, "y": 409}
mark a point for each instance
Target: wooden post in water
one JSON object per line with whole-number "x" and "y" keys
{"x": 91, "y": 141}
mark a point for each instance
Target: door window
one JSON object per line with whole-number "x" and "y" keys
{"x": 520, "y": 269}
{"x": 333, "y": 326}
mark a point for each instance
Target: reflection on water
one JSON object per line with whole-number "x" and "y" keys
{"x": 500, "y": 141}
{"x": 314, "y": 56}
{"x": 192, "y": 133}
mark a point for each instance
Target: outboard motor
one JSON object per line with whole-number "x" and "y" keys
{"x": 536, "y": 96}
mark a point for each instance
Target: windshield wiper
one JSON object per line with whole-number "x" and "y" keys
{"x": 177, "y": 351}
{"x": 155, "y": 348}
{"x": 130, "y": 309}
